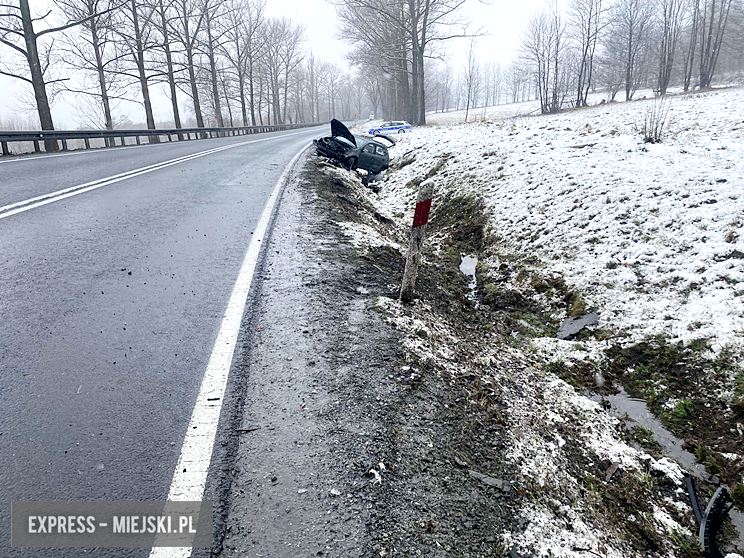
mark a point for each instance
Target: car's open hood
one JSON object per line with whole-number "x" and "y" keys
{"x": 338, "y": 129}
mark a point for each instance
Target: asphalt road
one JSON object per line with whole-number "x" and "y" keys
{"x": 110, "y": 302}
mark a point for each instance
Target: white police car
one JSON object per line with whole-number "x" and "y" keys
{"x": 391, "y": 127}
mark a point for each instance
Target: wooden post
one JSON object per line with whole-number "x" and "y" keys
{"x": 420, "y": 219}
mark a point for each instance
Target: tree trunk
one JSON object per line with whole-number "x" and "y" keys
{"x": 243, "y": 106}
{"x": 286, "y": 91}
{"x": 140, "y": 61}
{"x": 37, "y": 76}
{"x": 227, "y": 102}
{"x": 629, "y": 66}
{"x": 421, "y": 116}
{"x": 213, "y": 70}
{"x": 251, "y": 92}
{"x": 189, "y": 47}
{"x": 690, "y": 56}
{"x": 169, "y": 65}
{"x": 99, "y": 67}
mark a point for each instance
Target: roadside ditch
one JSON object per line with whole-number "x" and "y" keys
{"x": 583, "y": 473}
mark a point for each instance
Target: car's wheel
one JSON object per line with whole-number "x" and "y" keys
{"x": 401, "y": 131}
{"x": 351, "y": 163}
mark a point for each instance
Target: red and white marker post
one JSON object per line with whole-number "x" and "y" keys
{"x": 420, "y": 219}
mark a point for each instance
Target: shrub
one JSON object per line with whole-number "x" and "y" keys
{"x": 656, "y": 121}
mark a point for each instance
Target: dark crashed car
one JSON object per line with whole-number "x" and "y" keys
{"x": 354, "y": 152}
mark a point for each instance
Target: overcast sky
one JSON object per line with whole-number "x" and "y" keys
{"x": 503, "y": 20}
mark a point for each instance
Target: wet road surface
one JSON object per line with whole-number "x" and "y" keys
{"x": 110, "y": 302}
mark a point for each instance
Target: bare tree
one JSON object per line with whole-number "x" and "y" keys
{"x": 402, "y": 34}
{"x": 713, "y": 19}
{"x": 587, "y": 23}
{"x": 471, "y": 74}
{"x": 672, "y": 12}
{"x": 313, "y": 87}
{"x": 517, "y": 77}
{"x": 543, "y": 48}
{"x": 162, "y": 23}
{"x": 689, "y": 60}
{"x": 18, "y": 32}
{"x": 91, "y": 52}
{"x": 188, "y": 24}
{"x": 134, "y": 32}
{"x": 632, "y": 23}
{"x": 214, "y": 11}
{"x": 496, "y": 81}
{"x": 240, "y": 49}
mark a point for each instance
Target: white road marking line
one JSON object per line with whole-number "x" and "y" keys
{"x": 190, "y": 476}
{"x": 38, "y": 201}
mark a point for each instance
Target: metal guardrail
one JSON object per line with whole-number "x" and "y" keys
{"x": 152, "y": 136}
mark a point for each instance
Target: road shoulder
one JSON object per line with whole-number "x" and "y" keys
{"x": 346, "y": 448}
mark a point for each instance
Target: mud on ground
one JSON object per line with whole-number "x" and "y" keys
{"x": 347, "y": 448}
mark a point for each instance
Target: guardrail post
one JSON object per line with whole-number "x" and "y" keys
{"x": 420, "y": 219}
{"x": 37, "y": 148}
{"x": 86, "y": 141}
{"x": 137, "y": 139}
{"x": 64, "y": 145}
{"x": 6, "y": 151}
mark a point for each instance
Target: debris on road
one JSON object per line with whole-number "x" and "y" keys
{"x": 490, "y": 481}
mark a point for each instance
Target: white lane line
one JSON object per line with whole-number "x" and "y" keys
{"x": 38, "y": 201}
{"x": 190, "y": 476}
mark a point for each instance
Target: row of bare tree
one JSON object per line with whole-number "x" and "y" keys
{"x": 394, "y": 40}
{"x": 621, "y": 45}
{"x": 609, "y": 45}
{"x": 230, "y": 61}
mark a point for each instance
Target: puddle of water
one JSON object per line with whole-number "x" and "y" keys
{"x": 467, "y": 267}
{"x": 572, "y": 326}
{"x": 638, "y": 413}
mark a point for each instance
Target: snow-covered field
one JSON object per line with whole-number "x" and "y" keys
{"x": 523, "y": 108}
{"x": 649, "y": 233}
